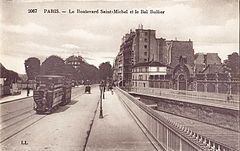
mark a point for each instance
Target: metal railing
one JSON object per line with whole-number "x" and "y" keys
{"x": 190, "y": 96}
{"x": 169, "y": 136}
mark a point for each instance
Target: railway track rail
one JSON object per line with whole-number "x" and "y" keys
{"x": 16, "y": 121}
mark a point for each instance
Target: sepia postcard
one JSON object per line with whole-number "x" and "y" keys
{"x": 119, "y": 75}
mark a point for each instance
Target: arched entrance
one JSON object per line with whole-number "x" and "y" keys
{"x": 182, "y": 82}
{"x": 182, "y": 77}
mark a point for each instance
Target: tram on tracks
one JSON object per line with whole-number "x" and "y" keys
{"x": 50, "y": 92}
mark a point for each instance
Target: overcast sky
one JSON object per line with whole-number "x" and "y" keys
{"x": 212, "y": 25}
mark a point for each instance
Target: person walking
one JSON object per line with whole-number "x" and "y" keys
{"x": 28, "y": 91}
{"x": 111, "y": 88}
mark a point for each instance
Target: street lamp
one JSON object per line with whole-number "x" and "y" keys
{"x": 101, "y": 95}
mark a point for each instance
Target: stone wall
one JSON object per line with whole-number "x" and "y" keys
{"x": 217, "y": 116}
{"x": 221, "y": 117}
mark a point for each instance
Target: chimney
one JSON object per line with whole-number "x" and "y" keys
{"x": 140, "y": 26}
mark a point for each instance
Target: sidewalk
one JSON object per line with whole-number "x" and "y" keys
{"x": 23, "y": 94}
{"x": 117, "y": 130}
{"x": 15, "y": 97}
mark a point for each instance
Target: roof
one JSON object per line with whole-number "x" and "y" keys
{"x": 150, "y": 64}
{"x": 213, "y": 68}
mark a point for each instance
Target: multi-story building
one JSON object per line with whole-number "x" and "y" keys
{"x": 179, "y": 49}
{"x": 144, "y": 73}
{"x": 128, "y": 60}
{"x": 208, "y": 63}
{"x": 75, "y": 61}
{"x": 147, "y": 61}
{"x": 118, "y": 69}
{"x": 142, "y": 46}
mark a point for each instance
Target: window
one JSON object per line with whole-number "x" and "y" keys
{"x": 145, "y": 46}
{"x": 145, "y": 53}
{"x": 145, "y": 60}
{"x": 145, "y": 33}
{"x": 145, "y": 39}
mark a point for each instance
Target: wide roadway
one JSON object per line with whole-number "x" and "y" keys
{"x": 65, "y": 129}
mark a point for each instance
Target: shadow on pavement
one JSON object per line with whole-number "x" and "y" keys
{"x": 72, "y": 102}
{"x": 61, "y": 109}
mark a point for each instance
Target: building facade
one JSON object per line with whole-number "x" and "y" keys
{"x": 118, "y": 69}
{"x": 208, "y": 63}
{"x": 143, "y": 73}
{"x": 127, "y": 49}
{"x": 142, "y": 46}
{"x": 179, "y": 49}
{"x": 75, "y": 61}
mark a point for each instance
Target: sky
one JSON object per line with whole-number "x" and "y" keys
{"x": 212, "y": 25}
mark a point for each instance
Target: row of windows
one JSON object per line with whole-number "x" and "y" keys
{"x": 75, "y": 63}
{"x": 140, "y": 77}
{"x": 139, "y": 84}
{"x": 146, "y": 69}
{"x": 140, "y": 69}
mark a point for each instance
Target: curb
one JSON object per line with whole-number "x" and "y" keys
{"x": 9, "y": 101}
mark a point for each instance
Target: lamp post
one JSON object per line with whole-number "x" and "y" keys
{"x": 103, "y": 90}
{"x": 101, "y": 95}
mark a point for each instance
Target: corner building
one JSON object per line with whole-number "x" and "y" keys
{"x": 142, "y": 46}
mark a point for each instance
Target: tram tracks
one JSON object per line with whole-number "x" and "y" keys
{"x": 16, "y": 121}
{"x": 14, "y": 114}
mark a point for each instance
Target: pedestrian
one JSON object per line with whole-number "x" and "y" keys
{"x": 28, "y": 91}
{"x": 111, "y": 88}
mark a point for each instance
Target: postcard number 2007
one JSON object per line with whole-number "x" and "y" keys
{"x": 32, "y": 10}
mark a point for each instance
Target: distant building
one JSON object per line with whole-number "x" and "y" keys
{"x": 145, "y": 46}
{"x": 128, "y": 60}
{"x": 118, "y": 69}
{"x": 208, "y": 63}
{"x": 177, "y": 49}
{"x": 75, "y": 61}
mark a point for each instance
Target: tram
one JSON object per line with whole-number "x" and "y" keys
{"x": 50, "y": 92}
